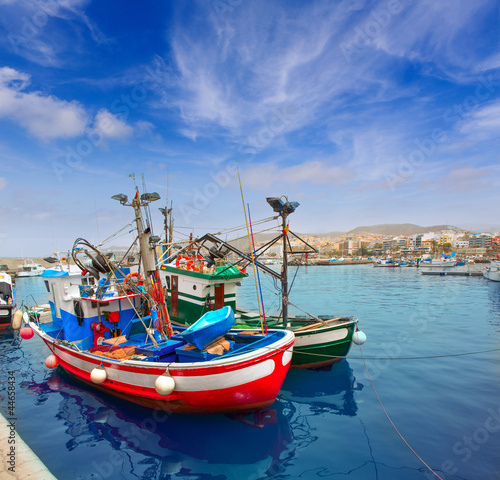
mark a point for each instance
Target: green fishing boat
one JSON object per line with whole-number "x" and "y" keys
{"x": 204, "y": 275}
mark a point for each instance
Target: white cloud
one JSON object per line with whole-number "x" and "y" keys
{"x": 265, "y": 57}
{"x": 446, "y": 48}
{"x": 244, "y": 69}
{"x": 3, "y": 183}
{"x": 36, "y": 29}
{"x": 143, "y": 128}
{"x": 45, "y": 117}
{"x": 468, "y": 179}
{"x": 316, "y": 172}
{"x": 110, "y": 126}
{"x": 485, "y": 121}
{"x": 186, "y": 132}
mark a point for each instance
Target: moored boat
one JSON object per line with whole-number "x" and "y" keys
{"x": 385, "y": 262}
{"x": 7, "y": 300}
{"x": 30, "y": 269}
{"x": 437, "y": 263}
{"x": 110, "y": 328}
{"x": 492, "y": 272}
{"x": 201, "y": 278}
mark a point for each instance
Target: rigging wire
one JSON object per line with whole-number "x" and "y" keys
{"x": 115, "y": 234}
{"x": 250, "y": 245}
{"x": 256, "y": 268}
{"x": 392, "y": 423}
{"x": 231, "y": 229}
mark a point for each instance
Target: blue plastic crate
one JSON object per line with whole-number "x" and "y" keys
{"x": 164, "y": 348}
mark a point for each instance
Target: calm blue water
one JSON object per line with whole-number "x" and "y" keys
{"x": 325, "y": 424}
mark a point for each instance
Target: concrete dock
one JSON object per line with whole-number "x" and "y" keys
{"x": 452, "y": 273}
{"x": 20, "y": 463}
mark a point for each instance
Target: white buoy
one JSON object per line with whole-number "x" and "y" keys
{"x": 164, "y": 384}
{"x": 98, "y": 375}
{"x": 359, "y": 337}
{"x": 51, "y": 361}
{"x": 17, "y": 320}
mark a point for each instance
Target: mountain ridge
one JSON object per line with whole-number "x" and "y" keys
{"x": 401, "y": 229}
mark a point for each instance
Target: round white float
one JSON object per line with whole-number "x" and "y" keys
{"x": 164, "y": 384}
{"x": 98, "y": 375}
{"x": 359, "y": 337}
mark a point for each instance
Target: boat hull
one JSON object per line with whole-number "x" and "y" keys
{"x": 241, "y": 384}
{"x": 320, "y": 346}
{"x": 7, "y": 300}
{"x": 437, "y": 265}
{"x": 6, "y": 312}
{"x": 492, "y": 273}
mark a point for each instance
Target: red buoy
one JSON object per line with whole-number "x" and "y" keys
{"x": 26, "y": 333}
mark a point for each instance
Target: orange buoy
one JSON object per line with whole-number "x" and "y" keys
{"x": 51, "y": 361}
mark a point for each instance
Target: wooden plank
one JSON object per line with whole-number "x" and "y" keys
{"x": 316, "y": 325}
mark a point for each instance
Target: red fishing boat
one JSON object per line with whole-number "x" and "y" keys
{"x": 111, "y": 329}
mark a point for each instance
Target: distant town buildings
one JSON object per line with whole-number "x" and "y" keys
{"x": 463, "y": 243}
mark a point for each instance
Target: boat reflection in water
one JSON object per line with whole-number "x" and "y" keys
{"x": 226, "y": 446}
{"x": 329, "y": 390}
{"x": 494, "y": 296}
{"x": 203, "y": 446}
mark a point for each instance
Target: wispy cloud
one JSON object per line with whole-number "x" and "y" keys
{"x": 439, "y": 37}
{"x": 256, "y": 58}
{"x": 253, "y": 62}
{"x": 483, "y": 123}
{"x": 315, "y": 173}
{"x": 33, "y": 25}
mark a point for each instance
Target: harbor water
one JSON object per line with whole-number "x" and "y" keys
{"x": 431, "y": 359}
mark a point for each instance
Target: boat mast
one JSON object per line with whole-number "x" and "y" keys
{"x": 147, "y": 254}
{"x": 146, "y": 241}
{"x": 284, "y": 270}
{"x": 168, "y": 224}
{"x": 284, "y": 208}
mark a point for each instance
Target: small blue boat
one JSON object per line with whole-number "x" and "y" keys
{"x": 209, "y": 327}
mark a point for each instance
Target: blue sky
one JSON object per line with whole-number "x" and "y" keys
{"x": 364, "y": 111}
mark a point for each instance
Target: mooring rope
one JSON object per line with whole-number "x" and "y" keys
{"x": 392, "y": 423}
{"x": 402, "y": 358}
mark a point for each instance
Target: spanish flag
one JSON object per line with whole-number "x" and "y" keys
{"x": 286, "y": 230}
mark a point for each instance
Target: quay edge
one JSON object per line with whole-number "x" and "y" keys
{"x": 27, "y": 464}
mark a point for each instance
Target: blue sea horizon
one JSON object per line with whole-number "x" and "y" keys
{"x": 324, "y": 423}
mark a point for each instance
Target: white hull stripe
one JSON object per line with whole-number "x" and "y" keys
{"x": 319, "y": 338}
{"x": 183, "y": 383}
{"x": 202, "y": 301}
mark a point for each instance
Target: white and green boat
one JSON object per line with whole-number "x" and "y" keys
{"x": 201, "y": 278}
